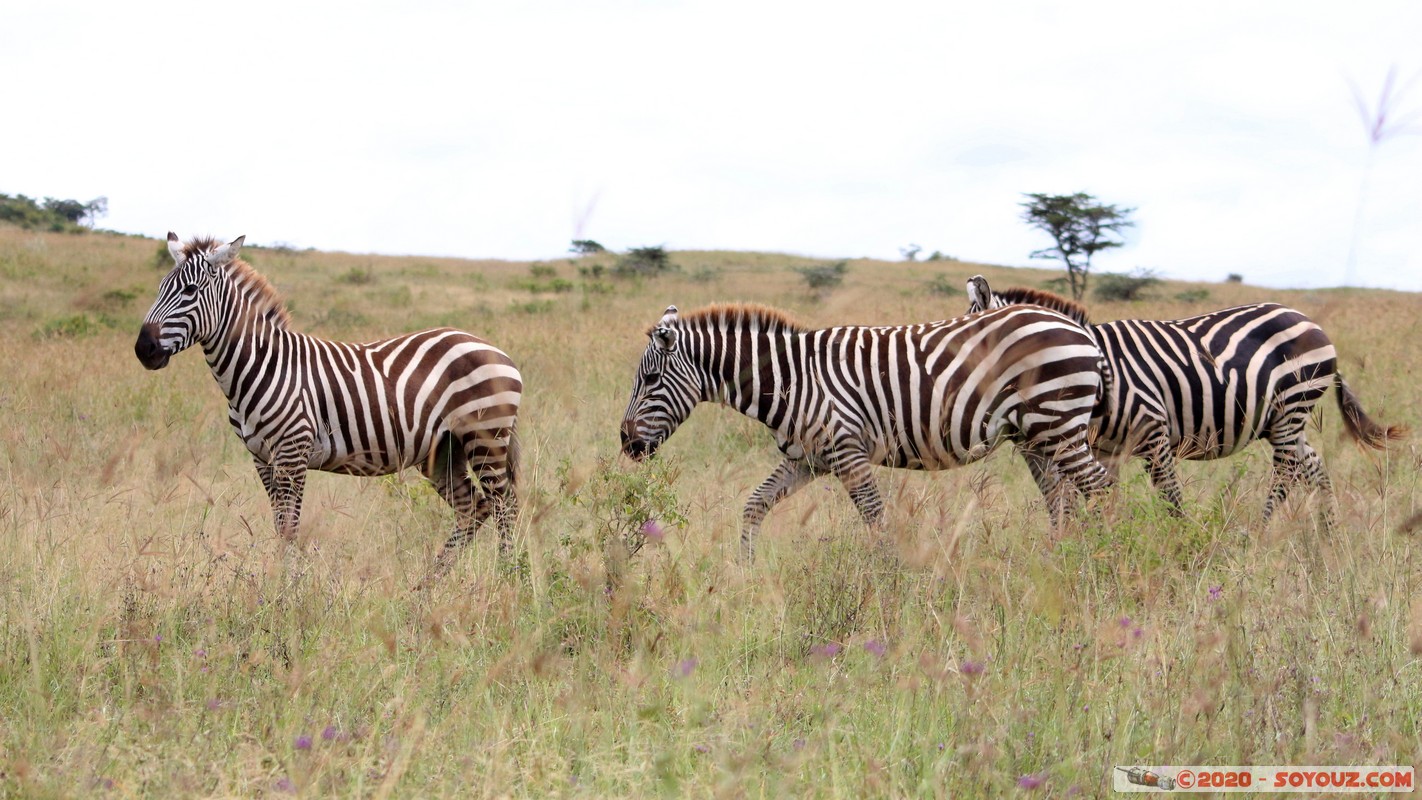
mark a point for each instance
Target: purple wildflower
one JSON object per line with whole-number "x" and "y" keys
{"x": 652, "y": 530}
{"x": 971, "y": 668}
{"x": 1030, "y": 781}
{"x": 876, "y": 647}
{"x": 684, "y": 667}
{"x": 285, "y": 785}
{"x": 1125, "y": 622}
{"x": 826, "y": 650}
{"x": 303, "y": 742}
{"x": 702, "y": 748}
{"x": 1137, "y": 633}
{"x": 157, "y": 638}
{"x": 1216, "y": 592}
{"x": 330, "y": 733}
{"x": 798, "y": 744}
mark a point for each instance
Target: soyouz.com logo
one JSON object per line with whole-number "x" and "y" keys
{"x": 1314, "y": 779}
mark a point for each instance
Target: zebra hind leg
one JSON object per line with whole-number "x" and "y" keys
{"x": 448, "y": 470}
{"x": 1312, "y": 470}
{"x": 1291, "y": 457}
{"x": 788, "y": 478}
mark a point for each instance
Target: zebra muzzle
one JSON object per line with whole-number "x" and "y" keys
{"x": 151, "y": 353}
{"x": 637, "y": 448}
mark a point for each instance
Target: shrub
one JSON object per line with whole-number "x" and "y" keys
{"x": 1234, "y": 277}
{"x": 1193, "y": 295}
{"x": 630, "y": 507}
{"x": 1114, "y": 286}
{"x": 644, "y": 261}
{"x": 586, "y": 247}
{"x": 541, "y": 270}
{"x": 357, "y": 276}
{"x": 824, "y": 276}
{"x": 943, "y": 285}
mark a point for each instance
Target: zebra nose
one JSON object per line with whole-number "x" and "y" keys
{"x": 148, "y": 350}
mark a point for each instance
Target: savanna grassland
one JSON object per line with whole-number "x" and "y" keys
{"x": 150, "y": 644}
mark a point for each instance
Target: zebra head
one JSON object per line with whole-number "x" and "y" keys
{"x": 664, "y": 390}
{"x": 980, "y": 296}
{"x": 185, "y": 308}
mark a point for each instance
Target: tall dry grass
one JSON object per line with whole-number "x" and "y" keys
{"x": 150, "y": 644}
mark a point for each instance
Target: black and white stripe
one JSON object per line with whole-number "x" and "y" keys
{"x": 1208, "y": 386}
{"x": 841, "y": 400}
{"x": 441, "y": 400}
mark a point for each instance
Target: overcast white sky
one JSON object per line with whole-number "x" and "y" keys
{"x": 841, "y": 130}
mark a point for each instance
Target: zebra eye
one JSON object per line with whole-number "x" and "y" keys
{"x": 190, "y": 289}
{"x": 652, "y": 377}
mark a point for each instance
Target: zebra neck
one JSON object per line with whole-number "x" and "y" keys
{"x": 749, "y": 369}
{"x": 246, "y": 342}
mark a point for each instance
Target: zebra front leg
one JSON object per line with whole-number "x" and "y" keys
{"x": 284, "y": 478}
{"x": 448, "y": 470}
{"x": 856, "y": 473}
{"x": 788, "y": 478}
{"x": 1288, "y": 454}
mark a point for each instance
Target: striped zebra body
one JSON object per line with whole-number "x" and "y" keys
{"x": 443, "y": 401}
{"x": 1208, "y": 386}
{"x": 842, "y": 400}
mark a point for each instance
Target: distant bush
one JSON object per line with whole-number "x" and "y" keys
{"x": 1115, "y": 286}
{"x": 357, "y": 276}
{"x": 73, "y": 327}
{"x": 1058, "y": 285}
{"x": 911, "y": 252}
{"x": 541, "y": 270}
{"x": 1193, "y": 295}
{"x": 937, "y": 256}
{"x": 586, "y": 247}
{"x": 943, "y": 285}
{"x": 1234, "y": 277}
{"x": 51, "y": 214}
{"x": 644, "y": 262}
{"x": 594, "y": 271}
{"x": 824, "y": 276}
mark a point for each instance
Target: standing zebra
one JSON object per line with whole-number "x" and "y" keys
{"x": 442, "y": 400}
{"x": 1207, "y": 386}
{"x": 839, "y": 400}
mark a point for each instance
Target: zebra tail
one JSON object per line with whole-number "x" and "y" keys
{"x": 511, "y": 456}
{"x": 1360, "y": 425}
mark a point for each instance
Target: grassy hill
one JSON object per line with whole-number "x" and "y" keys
{"x": 150, "y": 645}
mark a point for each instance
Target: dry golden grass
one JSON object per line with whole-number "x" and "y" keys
{"x": 150, "y": 646}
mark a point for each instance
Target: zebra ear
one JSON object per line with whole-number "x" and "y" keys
{"x": 227, "y": 253}
{"x": 668, "y": 316}
{"x": 175, "y": 247}
{"x": 979, "y": 293}
{"x": 665, "y": 337}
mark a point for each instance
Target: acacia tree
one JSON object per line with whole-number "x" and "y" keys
{"x": 1080, "y": 228}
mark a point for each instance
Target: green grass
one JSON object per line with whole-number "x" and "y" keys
{"x": 151, "y": 646}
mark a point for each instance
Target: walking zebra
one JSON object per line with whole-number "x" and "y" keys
{"x": 1207, "y": 386}
{"x": 441, "y": 400}
{"x": 928, "y": 396}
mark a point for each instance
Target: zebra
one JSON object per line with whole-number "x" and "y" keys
{"x": 441, "y": 400}
{"x": 1206, "y": 387}
{"x": 840, "y": 400}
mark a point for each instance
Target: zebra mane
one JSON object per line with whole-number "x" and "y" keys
{"x": 1039, "y": 297}
{"x": 770, "y": 320}
{"x": 263, "y": 295}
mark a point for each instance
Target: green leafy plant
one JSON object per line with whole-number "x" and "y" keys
{"x": 644, "y": 262}
{"x": 630, "y": 507}
{"x": 1113, "y": 286}
{"x": 824, "y": 276}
